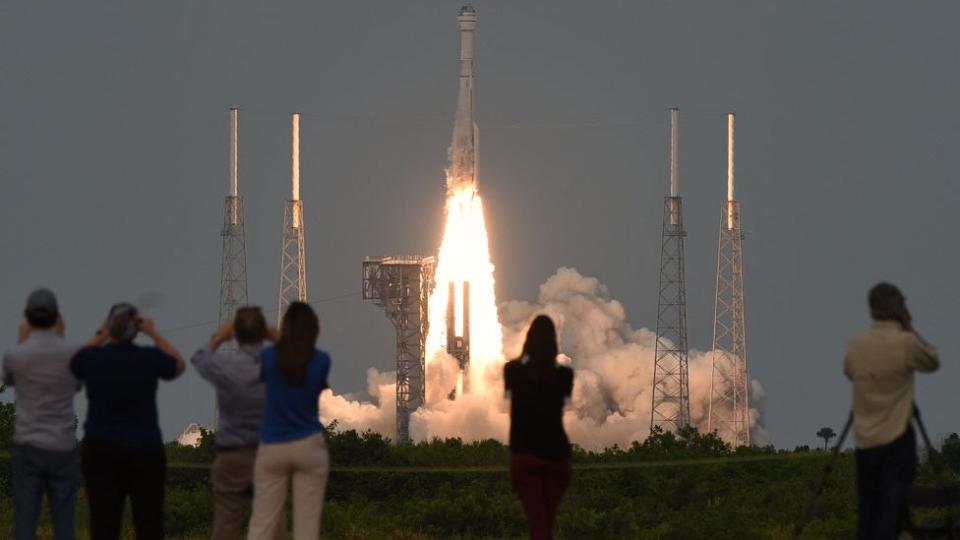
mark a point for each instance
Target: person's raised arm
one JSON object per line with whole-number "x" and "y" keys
{"x": 273, "y": 333}
{"x": 101, "y": 337}
{"x": 149, "y": 328}
{"x": 23, "y": 332}
{"x": 221, "y": 336}
{"x": 925, "y": 357}
{"x": 203, "y": 360}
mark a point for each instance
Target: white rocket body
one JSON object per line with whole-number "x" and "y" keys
{"x": 463, "y": 147}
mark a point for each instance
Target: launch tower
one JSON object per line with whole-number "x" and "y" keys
{"x": 402, "y": 286}
{"x": 293, "y": 266}
{"x": 729, "y": 411}
{"x": 671, "y": 390}
{"x": 233, "y": 261}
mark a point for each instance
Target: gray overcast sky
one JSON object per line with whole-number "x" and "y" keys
{"x": 113, "y": 163}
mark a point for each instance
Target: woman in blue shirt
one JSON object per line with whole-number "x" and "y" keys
{"x": 292, "y": 444}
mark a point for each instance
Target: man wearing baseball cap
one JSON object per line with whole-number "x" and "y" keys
{"x": 43, "y": 458}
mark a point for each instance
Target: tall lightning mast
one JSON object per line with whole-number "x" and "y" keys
{"x": 233, "y": 261}
{"x": 729, "y": 411}
{"x": 293, "y": 267}
{"x": 671, "y": 390}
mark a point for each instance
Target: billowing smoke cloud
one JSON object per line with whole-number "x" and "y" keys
{"x": 378, "y": 413}
{"x": 613, "y": 366}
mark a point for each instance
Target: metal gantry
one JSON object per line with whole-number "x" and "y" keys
{"x": 233, "y": 262}
{"x": 729, "y": 410}
{"x": 293, "y": 265}
{"x": 402, "y": 286}
{"x": 729, "y": 413}
{"x": 671, "y": 389}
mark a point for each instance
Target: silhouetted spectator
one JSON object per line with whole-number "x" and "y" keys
{"x": 122, "y": 447}
{"x": 880, "y": 363}
{"x": 292, "y": 444}
{"x": 44, "y": 453}
{"x": 540, "y": 465}
{"x": 235, "y": 373}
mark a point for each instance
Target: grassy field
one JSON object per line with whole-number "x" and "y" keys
{"x": 727, "y": 497}
{"x": 671, "y": 486}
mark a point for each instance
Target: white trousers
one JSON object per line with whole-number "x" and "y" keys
{"x": 307, "y": 462}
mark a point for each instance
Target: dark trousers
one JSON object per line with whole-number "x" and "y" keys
{"x": 33, "y": 472}
{"x": 540, "y": 484}
{"x": 111, "y": 474}
{"x": 884, "y": 476}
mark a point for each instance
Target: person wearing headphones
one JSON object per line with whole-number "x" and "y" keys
{"x": 122, "y": 447}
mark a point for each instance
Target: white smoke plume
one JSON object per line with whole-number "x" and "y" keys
{"x": 613, "y": 366}
{"x": 352, "y": 412}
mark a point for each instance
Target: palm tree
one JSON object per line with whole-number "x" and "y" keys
{"x": 826, "y": 434}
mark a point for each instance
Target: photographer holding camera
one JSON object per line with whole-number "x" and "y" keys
{"x": 235, "y": 374}
{"x": 880, "y": 363}
{"x": 122, "y": 448}
{"x": 43, "y": 459}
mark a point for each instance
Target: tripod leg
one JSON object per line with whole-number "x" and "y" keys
{"x": 938, "y": 467}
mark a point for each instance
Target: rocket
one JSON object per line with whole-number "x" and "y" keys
{"x": 464, "y": 146}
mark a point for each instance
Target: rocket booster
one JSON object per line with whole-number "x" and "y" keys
{"x": 463, "y": 147}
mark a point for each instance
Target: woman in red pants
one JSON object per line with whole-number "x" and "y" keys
{"x": 539, "y": 450}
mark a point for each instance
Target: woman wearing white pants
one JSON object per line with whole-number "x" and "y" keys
{"x": 292, "y": 444}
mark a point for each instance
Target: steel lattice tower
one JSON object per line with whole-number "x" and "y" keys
{"x": 233, "y": 262}
{"x": 402, "y": 286}
{"x": 293, "y": 265}
{"x": 729, "y": 412}
{"x": 671, "y": 389}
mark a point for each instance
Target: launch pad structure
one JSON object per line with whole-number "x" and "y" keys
{"x": 233, "y": 261}
{"x": 293, "y": 265}
{"x": 729, "y": 411}
{"x": 402, "y": 287}
{"x": 671, "y": 389}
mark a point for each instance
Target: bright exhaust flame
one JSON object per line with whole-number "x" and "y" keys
{"x": 465, "y": 257}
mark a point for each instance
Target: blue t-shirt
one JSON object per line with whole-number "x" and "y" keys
{"x": 121, "y": 382}
{"x": 292, "y": 412}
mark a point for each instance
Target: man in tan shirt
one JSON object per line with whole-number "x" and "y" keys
{"x": 880, "y": 362}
